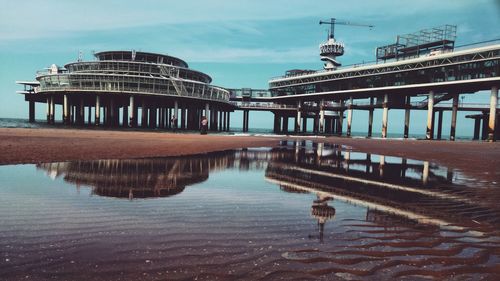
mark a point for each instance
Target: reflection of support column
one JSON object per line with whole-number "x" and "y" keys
{"x": 430, "y": 110}
{"x": 97, "y": 111}
{"x": 440, "y": 124}
{"x": 385, "y": 114}
{"x": 407, "y": 116}
{"x": 477, "y": 126}
{"x": 454, "y": 117}
{"x": 370, "y": 118}
{"x": 493, "y": 113}
{"x": 322, "y": 117}
{"x": 425, "y": 173}
{"x": 349, "y": 118}
{"x": 132, "y": 113}
{"x": 65, "y": 110}
{"x": 403, "y": 167}
{"x": 347, "y": 158}
{"x": 368, "y": 163}
{"x": 381, "y": 166}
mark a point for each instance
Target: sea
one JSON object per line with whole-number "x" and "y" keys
{"x": 24, "y": 123}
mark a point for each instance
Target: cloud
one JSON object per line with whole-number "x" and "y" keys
{"x": 55, "y": 18}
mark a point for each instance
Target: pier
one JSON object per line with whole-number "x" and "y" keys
{"x": 421, "y": 71}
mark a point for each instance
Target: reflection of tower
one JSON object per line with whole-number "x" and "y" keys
{"x": 322, "y": 212}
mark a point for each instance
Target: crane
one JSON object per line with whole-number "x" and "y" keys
{"x": 333, "y": 22}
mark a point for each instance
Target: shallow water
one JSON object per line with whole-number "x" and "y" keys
{"x": 300, "y": 211}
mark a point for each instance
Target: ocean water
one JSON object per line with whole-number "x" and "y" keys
{"x": 23, "y": 123}
{"x": 301, "y": 211}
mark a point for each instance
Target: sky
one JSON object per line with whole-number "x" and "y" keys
{"x": 239, "y": 43}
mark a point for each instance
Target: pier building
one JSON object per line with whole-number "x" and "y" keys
{"x": 424, "y": 66}
{"x": 130, "y": 89}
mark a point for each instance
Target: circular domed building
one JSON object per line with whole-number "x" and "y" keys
{"x": 130, "y": 88}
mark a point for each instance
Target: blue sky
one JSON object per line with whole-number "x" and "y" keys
{"x": 238, "y": 43}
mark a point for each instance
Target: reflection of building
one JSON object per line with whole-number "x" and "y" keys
{"x": 140, "y": 178}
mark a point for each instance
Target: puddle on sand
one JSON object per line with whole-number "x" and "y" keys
{"x": 300, "y": 211}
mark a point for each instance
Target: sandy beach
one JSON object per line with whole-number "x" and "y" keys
{"x": 21, "y": 146}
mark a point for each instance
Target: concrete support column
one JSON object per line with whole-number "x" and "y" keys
{"x": 65, "y": 110}
{"x": 183, "y": 118}
{"x": 175, "y": 116}
{"x": 349, "y": 117}
{"x": 484, "y": 131}
{"x": 152, "y": 117}
{"x": 52, "y": 110}
{"x": 48, "y": 110}
{"x": 32, "y": 111}
{"x": 207, "y": 113}
{"x": 285, "y": 124}
{"x": 407, "y": 117}
{"x": 340, "y": 123}
{"x": 477, "y": 127}
{"x": 132, "y": 112}
{"x": 276, "y": 125}
{"x": 97, "y": 117}
{"x": 144, "y": 115}
{"x": 299, "y": 117}
{"x": 316, "y": 122}
{"x": 246, "y": 115}
{"x": 304, "y": 124}
{"x": 228, "y": 121}
{"x": 112, "y": 112}
{"x": 440, "y": 124}
{"x": 322, "y": 117}
{"x": 125, "y": 116}
{"x": 89, "y": 115}
{"x": 385, "y": 115}
{"x": 493, "y": 113}
{"x": 81, "y": 112}
{"x": 430, "y": 111}
{"x": 370, "y": 119}
{"x": 454, "y": 110}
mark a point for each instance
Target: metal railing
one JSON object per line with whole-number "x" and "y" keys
{"x": 142, "y": 85}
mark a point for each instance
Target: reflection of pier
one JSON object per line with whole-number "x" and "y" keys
{"x": 413, "y": 189}
{"x": 141, "y": 178}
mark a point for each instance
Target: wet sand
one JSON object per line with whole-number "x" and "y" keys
{"x": 19, "y": 145}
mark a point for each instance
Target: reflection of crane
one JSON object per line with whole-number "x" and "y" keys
{"x": 331, "y": 49}
{"x": 333, "y": 22}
